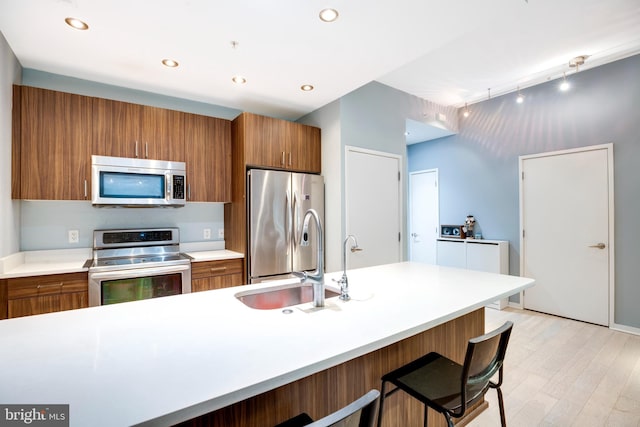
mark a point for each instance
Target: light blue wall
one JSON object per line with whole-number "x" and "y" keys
{"x": 9, "y": 209}
{"x": 478, "y": 168}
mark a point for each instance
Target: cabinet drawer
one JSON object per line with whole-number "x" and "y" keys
{"x": 216, "y": 268}
{"x": 26, "y": 287}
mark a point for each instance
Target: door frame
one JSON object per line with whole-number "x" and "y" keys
{"x": 401, "y": 220}
{"x": 410, "y": 207}
{"x": 611, "y": 244}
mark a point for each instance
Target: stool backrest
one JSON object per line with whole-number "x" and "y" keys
{"x": 485, "y": 357}
{"x": 360, "y": 413}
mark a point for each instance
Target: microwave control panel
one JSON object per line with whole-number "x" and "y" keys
{"x": 178, "y": 187}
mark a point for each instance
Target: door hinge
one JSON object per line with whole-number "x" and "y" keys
{"x": 523, "y": 176}
{"x": 399, "y": 237}
{"x": 523, "y": 234}
{"x": 398, "y": 175}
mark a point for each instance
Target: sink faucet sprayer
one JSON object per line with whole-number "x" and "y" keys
{"x": 316, "y": 277}
{"x": 344, "y": 281}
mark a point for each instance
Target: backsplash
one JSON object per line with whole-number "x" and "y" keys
{"x": 46, "y": 224}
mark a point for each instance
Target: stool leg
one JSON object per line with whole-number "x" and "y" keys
{"x": 503, "y": 420}
{"x": 426, "y": 415}
{"x": 382, "y": 396}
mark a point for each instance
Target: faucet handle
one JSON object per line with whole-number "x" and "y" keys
{"x": 302, "y": 275}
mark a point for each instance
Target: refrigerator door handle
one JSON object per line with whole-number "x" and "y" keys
{"x": 294, "y": 223}
{"x": 288, "y": 221}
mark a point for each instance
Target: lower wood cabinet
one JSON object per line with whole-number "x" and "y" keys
{"x": 26, "y": 296}
{"x": 209, "y": 275}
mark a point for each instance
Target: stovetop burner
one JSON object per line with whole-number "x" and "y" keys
{"x": 136, "y": 248}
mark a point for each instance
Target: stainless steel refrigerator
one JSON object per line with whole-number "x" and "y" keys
{"x": 277, "y": 202}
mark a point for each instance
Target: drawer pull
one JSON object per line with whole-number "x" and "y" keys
{"x": 217, "y": 269}
{"x": 50, "y": 285}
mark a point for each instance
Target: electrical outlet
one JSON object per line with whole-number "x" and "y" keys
{"x": 74, "y": 236}
{"x": 207, "y": 233}
{"x": 220, "y": 233}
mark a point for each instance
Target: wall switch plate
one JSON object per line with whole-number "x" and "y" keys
{"x": 220, "y": 233}
{"x": 74, "y": 236}
{"x": 207, "y": 233}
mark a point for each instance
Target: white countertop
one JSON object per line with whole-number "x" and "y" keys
{"x": 59, "y": 261}
{"x": 171, "y": 359}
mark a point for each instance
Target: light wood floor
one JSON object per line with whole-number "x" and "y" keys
{"x": 560, "y": 372}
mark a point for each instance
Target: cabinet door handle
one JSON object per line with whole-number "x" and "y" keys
{"x": 217, "y": 269}
{"x": 85, "y": 188}
{"x": 136, "y": 151}
{"x": 189, "y": 192}
{"x": 599, "y": 246}
{"x": 282, "y": 161}
{"x": 289, "y": 159}
{"x": 146, "y": 150}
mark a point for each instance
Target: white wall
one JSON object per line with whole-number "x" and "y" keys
{"x": 10, "y": 72}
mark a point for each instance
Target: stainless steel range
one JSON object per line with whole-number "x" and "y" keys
{"x": 136, "y": 264}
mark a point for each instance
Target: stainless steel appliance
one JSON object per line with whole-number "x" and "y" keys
{"x": 135, "y": 264}
{"x": 277, "y": 202}
{"x": 122, "y": 181}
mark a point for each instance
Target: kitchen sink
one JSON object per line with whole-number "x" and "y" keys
{"x": 281, "y": 296}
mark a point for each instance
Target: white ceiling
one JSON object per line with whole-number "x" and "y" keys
{"x": 448, "y": 52}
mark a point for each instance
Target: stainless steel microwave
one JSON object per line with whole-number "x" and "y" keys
{"x": 127, "y": 182}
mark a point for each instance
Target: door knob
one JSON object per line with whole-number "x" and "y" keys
{"x": 599, "y": 246}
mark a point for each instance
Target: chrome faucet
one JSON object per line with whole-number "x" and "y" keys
{"x": 316, "y": 278}
{"x": 344, "y": 281}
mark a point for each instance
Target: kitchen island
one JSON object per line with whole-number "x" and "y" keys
{"x": 167, "y": 360}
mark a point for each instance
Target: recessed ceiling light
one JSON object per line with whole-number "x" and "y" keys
{"x": 306, "y": 88}
{"x": 564, "y": 85}
{"x": 76, "y": 23}
{"x": 328, "y": 15}
{"x": 239, "y": 80}
{"x": 171, "y": 63}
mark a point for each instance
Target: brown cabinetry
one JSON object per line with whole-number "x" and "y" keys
{"x": 209, "y": 275}
{"x": 280, "y": 144}
{"x": 27, "y": 296}
{"x": 123, "y": 129}
{"x": 55, "y": 134}
{"x": 208, "y": 158}
{"x": 52, "y": 149}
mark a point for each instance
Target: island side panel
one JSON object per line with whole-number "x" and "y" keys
{"x": 327, "y": 391}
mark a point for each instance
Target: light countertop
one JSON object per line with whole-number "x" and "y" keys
{"x": 169, "y": 359}
{"x": 59, "y": 261}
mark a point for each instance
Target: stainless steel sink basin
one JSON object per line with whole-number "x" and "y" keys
{"x": 281, "y": 296}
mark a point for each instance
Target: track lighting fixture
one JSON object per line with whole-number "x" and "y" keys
{"x": 564, "y": 85}
{"x": 465, "y": 113}
{"x": 520, "y": 98}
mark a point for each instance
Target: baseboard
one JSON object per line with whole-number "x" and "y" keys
{"x": 624, "y": 328}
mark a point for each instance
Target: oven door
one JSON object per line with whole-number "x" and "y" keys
{"x": 115, "y": 286}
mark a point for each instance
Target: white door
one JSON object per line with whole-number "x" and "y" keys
{"x": 373, "y": 206}
{"x": 567, "y": 222}
{"x": 423, "y": 215}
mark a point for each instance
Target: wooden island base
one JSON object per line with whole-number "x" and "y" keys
{"x": 327, "y": 391}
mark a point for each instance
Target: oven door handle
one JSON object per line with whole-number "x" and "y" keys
{"x": 139, "y": 272}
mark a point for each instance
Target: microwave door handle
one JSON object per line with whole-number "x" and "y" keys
{"x": 143, "y": 272}
{"x": 167, "y": 178}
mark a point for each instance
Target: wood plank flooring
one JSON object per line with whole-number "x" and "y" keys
{"x": 560, "y": 372}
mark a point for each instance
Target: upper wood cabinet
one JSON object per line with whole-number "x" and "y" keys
{"x": 55, "y": 134}
{"x": 280, "y": 144}
{"x": 123, "y": 129}
{"x": 208, "y": 157}
{"x": 53, "y": 146}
